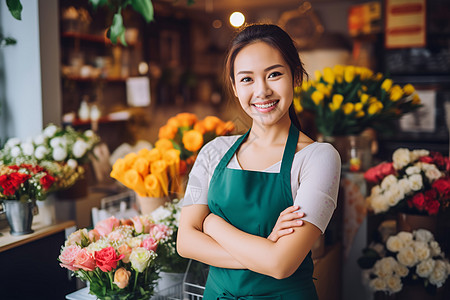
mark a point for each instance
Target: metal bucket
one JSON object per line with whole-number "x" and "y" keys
{"x": 19, "y": 215}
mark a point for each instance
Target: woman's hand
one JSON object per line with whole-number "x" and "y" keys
{"x": 288, "y": 219}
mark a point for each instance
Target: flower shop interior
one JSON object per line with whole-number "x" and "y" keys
{"x": 105, "y": 104}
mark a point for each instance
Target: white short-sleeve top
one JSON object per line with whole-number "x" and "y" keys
{"x": 315, "y": 176}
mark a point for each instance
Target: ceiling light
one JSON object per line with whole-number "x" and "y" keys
{"x": 237, "y": 19}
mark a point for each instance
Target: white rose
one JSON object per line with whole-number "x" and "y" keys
{"x": 394, "y": 244}
{"x": 415, "y": 182}
{"x": 394, "y": 284}
{"x": 401, "y": 270}
{"x": 423, "y": 235}
{"x": 50, "y": 130}
{"x": 89, "y": 133}
{"x": 58, "y": 142}
{"x": 377, "y": 284}
{"x": 388, "y": 181}
{"x": 40, "y": 152}
{"x": 379, "y": 204}
{"x": 439, "y": 274}
{"x": 27, "y": 148}
{"x": 422, "y": 250}
{"x": 435, "y": 248}
{"x": 384, "y": 267}
{"x": 15, "y": 151}
{"x": 39, "y": 139}
{"x": 98, "y": 245}
{"x": 407, "y": 257}
{"x": 424, "y": 268}
{"x": 72, "y": 163}
{"x": 404, "y": 186}
{"x": 79, "y": 148}
{"x": 140, "y": 259}
{"x": 396, "y": 195}
{"x": 12, "y": 142}
{"x": 376, "y": 190}
{"x": 416, "y": 154}
{"x": 412, "y": 170}
{"x": 59, "y": 154}
{"x": 433, "y": 173}
{"x": 134, "y": 242}
{"x": 401, "y": 158}
{"x": 160, "y": 214}
{"x": 406, "y": 237}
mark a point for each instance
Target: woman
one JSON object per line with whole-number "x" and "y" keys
{"x": 246, "y": 194}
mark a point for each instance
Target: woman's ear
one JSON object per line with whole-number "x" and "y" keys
{"x": 234, "y": 87}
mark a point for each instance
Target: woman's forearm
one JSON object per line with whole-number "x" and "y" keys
{"x": 277, "y": 259}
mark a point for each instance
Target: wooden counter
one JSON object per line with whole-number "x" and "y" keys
{"x": 8, "y": 241}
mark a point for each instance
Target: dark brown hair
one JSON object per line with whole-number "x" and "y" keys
{"x": 275, "y": 37}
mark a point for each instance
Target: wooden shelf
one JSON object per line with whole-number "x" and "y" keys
{"x": 94, "y": 38}
{"x": 95, "y": 79}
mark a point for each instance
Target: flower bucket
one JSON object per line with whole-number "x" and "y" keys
{"x": 148, "y": 204}
{"x": 411, "y": 222}
{"x": 46, "y": 211}
{"x": 19, "y": 215}
{"x": 168, "y": 282}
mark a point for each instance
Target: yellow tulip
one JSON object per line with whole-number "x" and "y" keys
{"x": 306, "y": 85}
{"x": 364, "y": 88}
{"x": 328, "y": 75}
{"x": 317, "y": 97}
{"x": 358, "y": 107}
{"x": 338, "y": 70}
{"x": 323, "y": 89}
{"x": 118, "y": 169}
{"x": 348, "y": 108}
{"x": 349, "y": 73}
{"x": 142, "y": 165}
{"x": 360, "y": 114}
{"x": 364, "y": 98}
{"x": 163, "y": 144}
{"x": 152, "y": 186}
{"x": 416, "y": 99}
{"x": 396, "y": 93}
{"x": 134, "y": 181}
{"x": 129, "y": 159}
{"x": 297, "y": 106}
{"x": 154, "y": 155}
{"x": 317, "y": 75}
{"x": 386, "y": 85}
{"x": 378, "y": 76}
{"x": 172, "y": 159}
{"x": 375, "y": 108}
{"x": 159, "y": 169}
{"x": 186, "y": 119}
{"x": 173, "y": 122}
{"x": 143, "y": 152}
{"x": 337, "y": 100}
{"x": 373, "y": 100}
{"x": 167, "y": 132}
{"x": 409, "y": 89}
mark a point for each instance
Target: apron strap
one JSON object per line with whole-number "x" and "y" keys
{"x": 289, "y": 150}
{"x": 226, "y": 296}
{"x": 229, "y": 154}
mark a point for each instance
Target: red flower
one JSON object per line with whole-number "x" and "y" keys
{"x": 47, "y": 181}
{"x": 15, "y": 168}
{"x": 442, "y": 186}
{"x": 418, "y": 201}
{"x": 426, "y": 159}
{"x": 430, "y": 195}
{"x": 377, "y": 173}
{"x": 432, "y": 207}
{"x": 106, "y": 259}
{"x": 9, "y": 188}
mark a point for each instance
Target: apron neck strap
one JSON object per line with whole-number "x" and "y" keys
{"x": 288, "y": 154}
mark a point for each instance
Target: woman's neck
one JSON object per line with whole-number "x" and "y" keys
{"x": 265, "y": 136}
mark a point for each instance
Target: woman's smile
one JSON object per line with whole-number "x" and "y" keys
{"x": 266, "y": 106}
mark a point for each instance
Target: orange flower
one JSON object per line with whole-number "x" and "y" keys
{"x": 143, "y": 152}
{"x": 152, "y": 186}
{"x": 192, "y": 140}
{"x": 134, "y": 181}
{"x": 211, "y": 122}
{"x": 142, "y": 165}
{"x": 163, "y": 144}
{"x": 167, "y": 132}
{"x": 153, "y": 155}
{"x": 224, "y": 128}
{"x": 159, "y": 169}
{"x": 121, "y": 277}
{"x": 186, "y": 119}
{"x": 118, "y": 169}
{"x": 130, "y": 158}
{"x": 200, "y": 127}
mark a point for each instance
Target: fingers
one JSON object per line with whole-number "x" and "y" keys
{"x": 290, "y": 209}
{"x": 290, "y": 224}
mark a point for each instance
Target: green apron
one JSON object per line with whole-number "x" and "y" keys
{"x": 252, "y": 202}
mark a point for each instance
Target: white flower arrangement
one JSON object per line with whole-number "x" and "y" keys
{"x": 405, "y": 258}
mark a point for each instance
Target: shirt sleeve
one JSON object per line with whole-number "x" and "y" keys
{"x": 319, "y": 184}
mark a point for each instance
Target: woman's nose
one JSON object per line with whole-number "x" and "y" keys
{"x": 263, "y": 90}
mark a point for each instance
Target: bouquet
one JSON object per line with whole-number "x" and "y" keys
{"x": 188, "y": 134}
{"x": 61, "y": 151}
{"x": 119, "y": 258}
{"x": 416, "y": 181}
{"x": 347, "y": 100}
{"x": 405, "y": 259}
{"x": 24, "y": 182}
{"x": 169, "y": 215}
{"x": 150, "y": 173}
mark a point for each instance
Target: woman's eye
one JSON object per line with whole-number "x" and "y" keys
{"x": 246, "y": 79}
{"x": 274, "y": 74}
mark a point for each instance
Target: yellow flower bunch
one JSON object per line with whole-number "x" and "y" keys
{"x": 349, "y": 99}
{"x": 188, "y": 134}
{"x": 150, "y": 173}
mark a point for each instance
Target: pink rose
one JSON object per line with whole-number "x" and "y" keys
{"x": 377, "y": 173}
{"x": 138, "y": 225}
{"x": 104, "y": 227}
{"x": 116, "y": 235}
{"x": 68, "y": 255}
{"x": 125, "y": 250}
{"x": 84, "y": 260}
{"x": 94, "y": 235}
{"x": 106, "y": 259}
{"x": 150, "y": 244}
{"x": 159, "y": 231}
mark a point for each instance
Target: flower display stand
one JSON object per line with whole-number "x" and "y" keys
{"x": 148, "y": 204}
{"x": 411, "y": 222}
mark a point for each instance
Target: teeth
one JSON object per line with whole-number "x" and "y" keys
{"x": 265, "y": 105}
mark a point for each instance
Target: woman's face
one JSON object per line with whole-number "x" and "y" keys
{"x": 263, "y": 83}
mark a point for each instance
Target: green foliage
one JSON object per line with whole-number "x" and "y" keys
{"x": 15, "y": 7}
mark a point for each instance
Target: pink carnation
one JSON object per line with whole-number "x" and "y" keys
{"x": 104, "y": 227}
{"x": 68, "y": 255}
{"x": 150, "y": 244}
{"x": 159, "y": 231}
{"x": 84, "y": 260}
